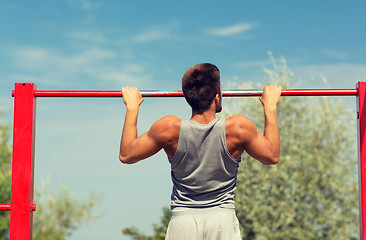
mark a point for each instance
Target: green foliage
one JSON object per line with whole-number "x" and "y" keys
{"x": 58, "y": 213}
{"x": 159, "y": 230}
{"x": 5, "y": 176}
{"x": 312, "y": 192}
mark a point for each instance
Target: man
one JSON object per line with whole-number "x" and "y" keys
{"x": 204, "y": 153}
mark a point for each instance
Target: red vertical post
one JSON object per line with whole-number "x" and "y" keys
{"x": 21, "y": 216}
{"x": 361, "y": 125}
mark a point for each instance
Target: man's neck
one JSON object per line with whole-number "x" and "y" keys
{"x": 204, "y": 118}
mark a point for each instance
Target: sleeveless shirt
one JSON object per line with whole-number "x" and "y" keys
{"x": 203, "y": 171}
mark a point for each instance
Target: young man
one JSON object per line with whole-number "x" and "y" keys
{"x": 204, "y": 153}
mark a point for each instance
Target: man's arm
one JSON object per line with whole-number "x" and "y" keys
{"x": 266, "y": 147}
{"x": 242, "y": 134}
{"x": 133, "y": 149}
{"x": 162, "y": 134}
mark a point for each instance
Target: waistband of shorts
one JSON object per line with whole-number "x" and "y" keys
{"x": 198, "y": 211}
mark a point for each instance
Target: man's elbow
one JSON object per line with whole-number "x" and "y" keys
{"x": 125, "y": 159}
{"x": 275, "y": 161}
{"x": 271, "y": 161}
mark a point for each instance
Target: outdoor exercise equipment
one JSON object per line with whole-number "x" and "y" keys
{"x": 25, "y": 94}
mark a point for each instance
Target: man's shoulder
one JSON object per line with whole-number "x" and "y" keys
{"x": 239, "y": 118}
{"x": 169, "y": 120}
{"x": 239, "y": 130}
{"x": 167, "y": 123}
{"x": 238, "y": 122}
{"x": 166, "y": 129}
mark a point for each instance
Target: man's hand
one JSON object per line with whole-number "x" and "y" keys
{"x": 271, "y": 96}
{"x": 132, "y": 97}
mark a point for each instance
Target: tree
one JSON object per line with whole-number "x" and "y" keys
{"x": 5, "y": 176}
{"x": 312, "y": 192}
{"x": 159, "y": 230}
{"x": 58, "y": 213}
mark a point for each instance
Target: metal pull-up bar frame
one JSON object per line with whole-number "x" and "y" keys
{"x": 25, "y": 94}
{"x": 225, "y": 93}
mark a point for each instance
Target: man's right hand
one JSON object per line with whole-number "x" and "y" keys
{"x": 132, "y": 97}
{"x": 270, "y": 96}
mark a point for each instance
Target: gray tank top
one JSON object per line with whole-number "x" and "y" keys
{"x": 202, "y": 169}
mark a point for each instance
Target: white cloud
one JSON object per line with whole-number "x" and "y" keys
{"x": 151, "y": 35}
{"x": 95, "y": 37}
{"x": 232, "y": 30}
{"x": 248, "y": 64}
{"x": 33, "y": 58}
{"x": 335, "y": 54}
{"x": 56, "y": 69}
{"x": 128, "y": 73}
{"x": 341, "y": 75}
{"x": 84, "y": 4}
{"x": 154, "y": 33}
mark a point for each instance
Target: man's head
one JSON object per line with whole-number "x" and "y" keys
{"x": 200, "y": 85}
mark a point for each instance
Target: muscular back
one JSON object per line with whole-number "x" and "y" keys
{"x": 237, "y": 130}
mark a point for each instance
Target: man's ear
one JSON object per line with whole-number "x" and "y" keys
{"x": 217, "y": 98}
{"x": 218, "y": 103}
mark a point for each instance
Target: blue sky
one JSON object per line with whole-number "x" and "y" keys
{"x": 84, "y": 44}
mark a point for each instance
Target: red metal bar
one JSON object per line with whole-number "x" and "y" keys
{"x": 7, "y": 207}
{"x": 4, "y": 207}
{"x": 319, "y": 92}
{"x": 361, "y": 125}
{"x": 21, "y": 215}
{"x": 226, "y": 93}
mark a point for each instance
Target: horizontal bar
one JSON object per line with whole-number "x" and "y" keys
{"x": 225, "y": 93}
{"x": 7, "y": 207}
{"x": 294, "y": 92}
{"x": 4, "y": 207}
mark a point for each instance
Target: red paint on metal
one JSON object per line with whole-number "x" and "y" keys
{"x": 7, "y": 207}
{"x": 319, "y": 92}
{"x": 4, "y": 207}
{"x": 21, "y": 216}
{"x": 226, "y": 93}
{"x": 361, "y": 124}
{"x": 85, "y": 93}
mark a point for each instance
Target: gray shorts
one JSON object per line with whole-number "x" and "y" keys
{"x": 210, "y": 224}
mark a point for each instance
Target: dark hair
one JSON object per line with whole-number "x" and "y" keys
{"x": 200, "y": 84}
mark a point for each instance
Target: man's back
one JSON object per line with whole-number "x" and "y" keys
{"x": 203, "y": 171}
{"x": 166, "y": 131}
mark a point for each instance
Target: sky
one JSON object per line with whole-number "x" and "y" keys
{"x": 104, "y": 45}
